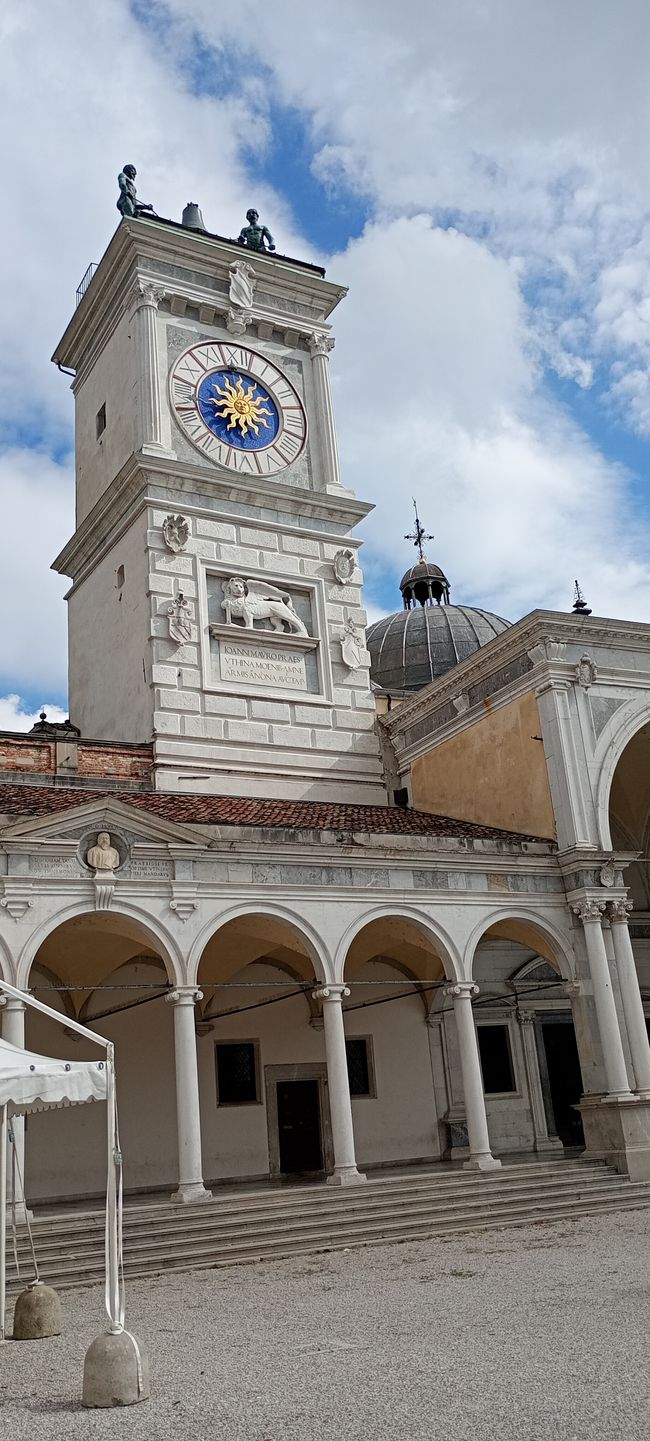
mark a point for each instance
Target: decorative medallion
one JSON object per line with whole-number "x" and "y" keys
{"x": 352, "y": 645}
{"x": 176, "y": 532}
{"x": 237, "y": 408}
{"x": 180, "y": 619}
{"x": 343, "y": 565}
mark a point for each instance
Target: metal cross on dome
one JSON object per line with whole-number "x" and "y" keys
{"x": 418, "y": 536}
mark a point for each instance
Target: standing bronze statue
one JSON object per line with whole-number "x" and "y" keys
{"x": 255, "y": 236}
{"x": 128, "y": 203}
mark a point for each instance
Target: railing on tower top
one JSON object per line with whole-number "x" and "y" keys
{"x": 85, "y": 280}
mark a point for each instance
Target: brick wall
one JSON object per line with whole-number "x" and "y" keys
{"x": 87, "y": 760}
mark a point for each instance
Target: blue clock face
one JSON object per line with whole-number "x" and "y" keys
{"x": 237, "y": 408}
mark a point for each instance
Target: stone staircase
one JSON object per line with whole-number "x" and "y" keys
{"x": 255, "y": 1225}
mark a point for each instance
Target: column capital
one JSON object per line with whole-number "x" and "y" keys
{"x": 618, "y": 911}
{"x": 320, "y": 345}
{"x": 184, "y": 996}
{"x": 526, "y": 1018}
{"x": 334, "y": 992}
{"x": 467, "y": 989}
{"x": 12, "y": 1003}
{"x": 145, "y": 292}
{"x": 588, "y": 910}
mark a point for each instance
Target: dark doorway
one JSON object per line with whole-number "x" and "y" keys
{"x": 565, "y": 1080}
{"x": 299, "y": 1127}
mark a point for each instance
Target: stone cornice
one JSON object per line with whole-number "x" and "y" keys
{"x": 138, "y": 485}
{"x": 135, "y": 240}
{"x": 535, "y": 629}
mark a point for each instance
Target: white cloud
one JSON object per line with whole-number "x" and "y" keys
{"x": 14, "y": 716}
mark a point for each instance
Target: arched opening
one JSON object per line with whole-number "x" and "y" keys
{"x": 262, "y": 1072}
{"x": 629, "y": 824}
{"x": 395, "y": 972}
{"x": 107, "y": 971}
{"x": 528, "y": 1050}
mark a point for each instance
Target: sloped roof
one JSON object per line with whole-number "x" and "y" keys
{"x": 29, "y": 800}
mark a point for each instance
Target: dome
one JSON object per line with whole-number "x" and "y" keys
{"x": 423, "y": 583}
{"x": 411, "y": 648}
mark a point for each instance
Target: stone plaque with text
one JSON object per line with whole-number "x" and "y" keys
{"x": 262, "y": 665}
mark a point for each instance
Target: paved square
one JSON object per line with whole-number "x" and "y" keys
{"x": 530, "y": 1334}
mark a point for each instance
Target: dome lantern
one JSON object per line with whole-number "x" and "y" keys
{"x": 423, "y": 584}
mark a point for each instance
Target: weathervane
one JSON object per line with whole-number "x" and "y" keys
{"x": 418, "y": 535}
{"x": 580, "y": 606}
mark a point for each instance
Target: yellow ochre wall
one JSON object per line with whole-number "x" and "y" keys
{"x": 493, "y": 773}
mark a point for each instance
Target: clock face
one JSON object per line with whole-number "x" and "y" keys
{"x": 236, "y": 407}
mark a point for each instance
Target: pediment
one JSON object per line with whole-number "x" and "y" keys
{"x": 113, "y": 814}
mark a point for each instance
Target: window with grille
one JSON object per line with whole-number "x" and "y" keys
{"x": 496, "y": 1059}
{"x": 359, "y": 1070}
{"x": 236, "y": 1073}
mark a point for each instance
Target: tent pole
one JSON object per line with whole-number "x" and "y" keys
{"x": 3, "y": 1219}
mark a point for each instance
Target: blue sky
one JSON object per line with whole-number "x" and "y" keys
{"x": 476, "y": 173}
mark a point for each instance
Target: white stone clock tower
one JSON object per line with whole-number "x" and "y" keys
{"x": 216, "y": 598}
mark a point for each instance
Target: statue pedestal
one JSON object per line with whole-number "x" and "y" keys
{"x": 618, "y": 1132}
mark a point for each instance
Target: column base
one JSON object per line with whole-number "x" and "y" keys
{"x": 161, "y": 452}
{"x": 346, "y": 1176}
{"x": 485, "y": 1162}
{"x": 618, "y": 1132}
{"x": 23, "y": 1214}
{"x": 548, "y": 1143}
{"x": 192, "y": 1191}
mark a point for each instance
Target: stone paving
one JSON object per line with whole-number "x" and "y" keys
{"x": 523, "y": 1334}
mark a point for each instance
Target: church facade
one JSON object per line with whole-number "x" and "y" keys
{"x": 342, "y": 904}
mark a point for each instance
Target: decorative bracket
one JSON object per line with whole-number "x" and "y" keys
{"x": 17, "y": 897}
{"x": 184, "y": 900}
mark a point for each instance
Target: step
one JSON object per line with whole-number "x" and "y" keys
{"x": 221, "y": 1231}
{"x": 84, "y": 1249}
{"x": 68, "y": 1274}
{"x": 318, "y": 1198}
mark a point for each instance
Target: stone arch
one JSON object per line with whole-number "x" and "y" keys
{"x": 441, "y": 943}
{"x": 7, "y": 966}
{"x": 86, "y": 1016}
{"x": 145, "y": 928}
{"x": 54, "y": 980}
{"x": 619, "y": 731}
{"x": 295, "y": 924}
{"x": 525, "y": 928}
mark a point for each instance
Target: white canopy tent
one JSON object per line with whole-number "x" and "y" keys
{"x": 30, "y": 1082}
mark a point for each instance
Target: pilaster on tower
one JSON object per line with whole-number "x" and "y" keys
{"x": 216, "y": 599}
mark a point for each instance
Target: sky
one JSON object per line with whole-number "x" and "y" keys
{"x": 476, "y": 171}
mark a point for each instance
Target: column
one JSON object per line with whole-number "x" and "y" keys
{"x": 345, "y": 1165}
{"x": 319, "y": 348}
{"x": 188, "y": 1116}
{"x": 589, "y": 912}
{"x": 630, "y": 995}
{"x": 543, "y": 1140}
{"x": 145, "y": 301}
{"x": 13, "y": 1031}
{"x": 480, "y": 1155}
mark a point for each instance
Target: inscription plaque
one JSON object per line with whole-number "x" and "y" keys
{"x": 262, "y": 665}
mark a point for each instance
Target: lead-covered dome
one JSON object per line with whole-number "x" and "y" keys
{"x": 411, "y": 648}
{"x": 429, "y": 636}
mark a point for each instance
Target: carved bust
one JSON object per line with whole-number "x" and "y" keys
{"x": 103, "y": 856}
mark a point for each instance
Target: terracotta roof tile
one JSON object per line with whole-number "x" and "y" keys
{"x": 28, "y": 800}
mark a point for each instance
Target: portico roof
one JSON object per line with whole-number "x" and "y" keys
{"x": 30, "y": 800}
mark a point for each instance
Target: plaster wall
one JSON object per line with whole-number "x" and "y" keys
{"x": 399, "y": 1123}
{"x": 493, "y": 772}
{"x": 66, "y": 1149}
{"x": 108, "y": 645}
{"x": 111, "y": 381}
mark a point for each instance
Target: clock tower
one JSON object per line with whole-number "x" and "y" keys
{"x": 215, "y": 605}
